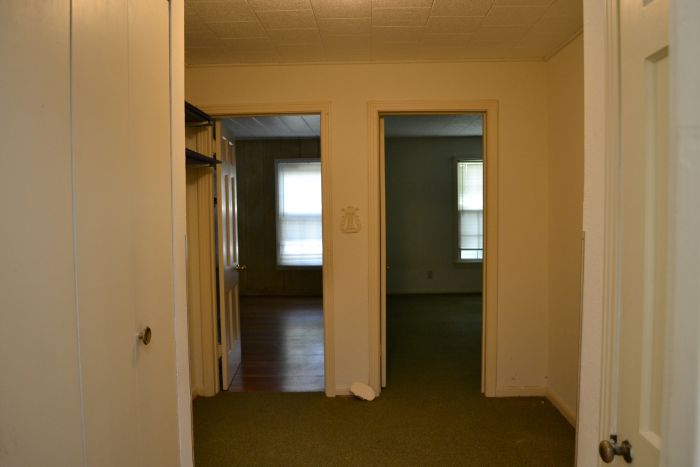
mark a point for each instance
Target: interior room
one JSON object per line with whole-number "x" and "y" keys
{"x": 279, "y": 210}
{"x": 434, "y": 248}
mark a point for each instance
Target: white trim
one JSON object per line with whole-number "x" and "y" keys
{"x": 179, "y": 229}
{"x": 521, "y": 391}
{"x": 568, "y": 412}
{"x": 324, "y": 109}
{"x": 596, "y": 95}
{"x": 343, "y": 391}
{"x": 681, "y": 430}
{"x": 490, "y": 292}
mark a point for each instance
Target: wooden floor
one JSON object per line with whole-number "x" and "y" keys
{"x": 282, "y": 345}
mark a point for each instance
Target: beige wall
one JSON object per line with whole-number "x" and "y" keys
{"x": 565, "y": 101}
{"x": 521, "y": 91}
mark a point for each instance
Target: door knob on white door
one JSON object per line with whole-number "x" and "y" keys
{"x": 609, "y": 448}
{"x": 145, "y": 335}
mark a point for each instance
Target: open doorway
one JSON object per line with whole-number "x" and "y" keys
{"x": 280, "y": 252}
{"x": 434, "y": 248}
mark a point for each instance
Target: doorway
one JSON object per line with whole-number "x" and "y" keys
{"x": 377, "y": 113}
{"x": 279, "y": 212}
{"x": 433, "y": 199}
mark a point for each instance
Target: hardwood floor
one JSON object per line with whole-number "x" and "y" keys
{"x": 282, "y": 345}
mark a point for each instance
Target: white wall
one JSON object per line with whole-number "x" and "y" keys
{"x": 421, "y": 217}
{"x": 565, "y": 102}
{"x": 520, "y": 89}
{"x": 40, "y": 419}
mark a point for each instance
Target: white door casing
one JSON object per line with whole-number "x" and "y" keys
{"x": 377, "y": 245}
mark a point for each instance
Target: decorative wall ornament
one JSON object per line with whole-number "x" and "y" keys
{"x": 350, "y": 222}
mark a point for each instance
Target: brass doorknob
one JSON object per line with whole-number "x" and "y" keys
{"x": 145, "y": 335}
{"x": 240, "y": 267}
{"x": 609, "y": 448}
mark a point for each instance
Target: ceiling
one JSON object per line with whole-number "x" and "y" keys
{"x": 275, "y": 126}
{"x": 432, "y": 125}
{"x": 309, "y": 126}
{"x": 339, "y": 31}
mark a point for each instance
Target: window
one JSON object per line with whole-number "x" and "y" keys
{"x": 299, "y": 232}
{"x": 470, "y": 206}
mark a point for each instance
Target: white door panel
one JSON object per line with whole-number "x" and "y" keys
{"x": 229, "y": 313}
{"x": 122, "y": 193}
{"x": 643, "y": 225}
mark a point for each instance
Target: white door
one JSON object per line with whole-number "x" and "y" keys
{"x": 638, "y": 389}
{"x": 229, "y": 267}
{"x": 123, "y": 231}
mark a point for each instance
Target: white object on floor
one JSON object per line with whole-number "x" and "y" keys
{"x": 362, "y": 391}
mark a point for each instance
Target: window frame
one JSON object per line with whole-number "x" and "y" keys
{"x": 287, "y": 160}
{"x": 456, "y": 212}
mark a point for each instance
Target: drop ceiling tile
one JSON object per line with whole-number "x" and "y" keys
{"x": 345, "y": 25}
{"x": 248, "y": 44}
{"x": 393, "y": 52}
{"x": 402, "y": 3}
{"x": 442, "y": 52}
{"x": 573, "y": 8}
{"x": 461, "y": 7}
{"x": 452, "y": 24}
{"x": 401, "y": 35}
{"x": 232, "y": 10}
{"x": 500, "y": 33}
{"x": 294, "y": 36}
{"x": 446, "y": 40}
{"x": 349, "y": 55}
{"x": 488, "y": 50}
{"x": 279, "y": 4}
{"x": 236, "y": 29}
{"x": 192, "y": 26}
{"x": 293, "y": 19}
{"x": 301, "y": 53}
{"x": 558, "y": 25}
{"x": 523, "y": 2}
{"x": 543, "y": 44}
{"x": 348, "y": 42}
{"x": 342, "y": 8}
{"x": 522, "y": 16}
{"x": 403, "y": 17}
{"x": 201, "y": 39}
{"x": 256, "y": 56}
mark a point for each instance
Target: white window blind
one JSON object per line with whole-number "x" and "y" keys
{"x": 470, "y": 204}
{"x": 299, "y": 232}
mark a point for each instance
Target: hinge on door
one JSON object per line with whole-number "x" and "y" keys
{"x": 220, "y": 350}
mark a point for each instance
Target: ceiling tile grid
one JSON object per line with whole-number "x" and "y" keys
{"x": 240, "y": 32}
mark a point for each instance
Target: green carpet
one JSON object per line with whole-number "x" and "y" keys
{"x": 431, "y": 413}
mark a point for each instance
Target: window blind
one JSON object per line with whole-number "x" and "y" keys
{"x": 470, "y": 204}
{"x": 299, "y": 228}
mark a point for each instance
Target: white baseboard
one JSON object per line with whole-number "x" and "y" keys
{"x": 434, "y": 292}
{"x": 556, "y": 400}
{"x": 521, "y": 391}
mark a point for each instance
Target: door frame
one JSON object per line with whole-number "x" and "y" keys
{"x": 376, "y": 225}
{"x": 323, "y": 109}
